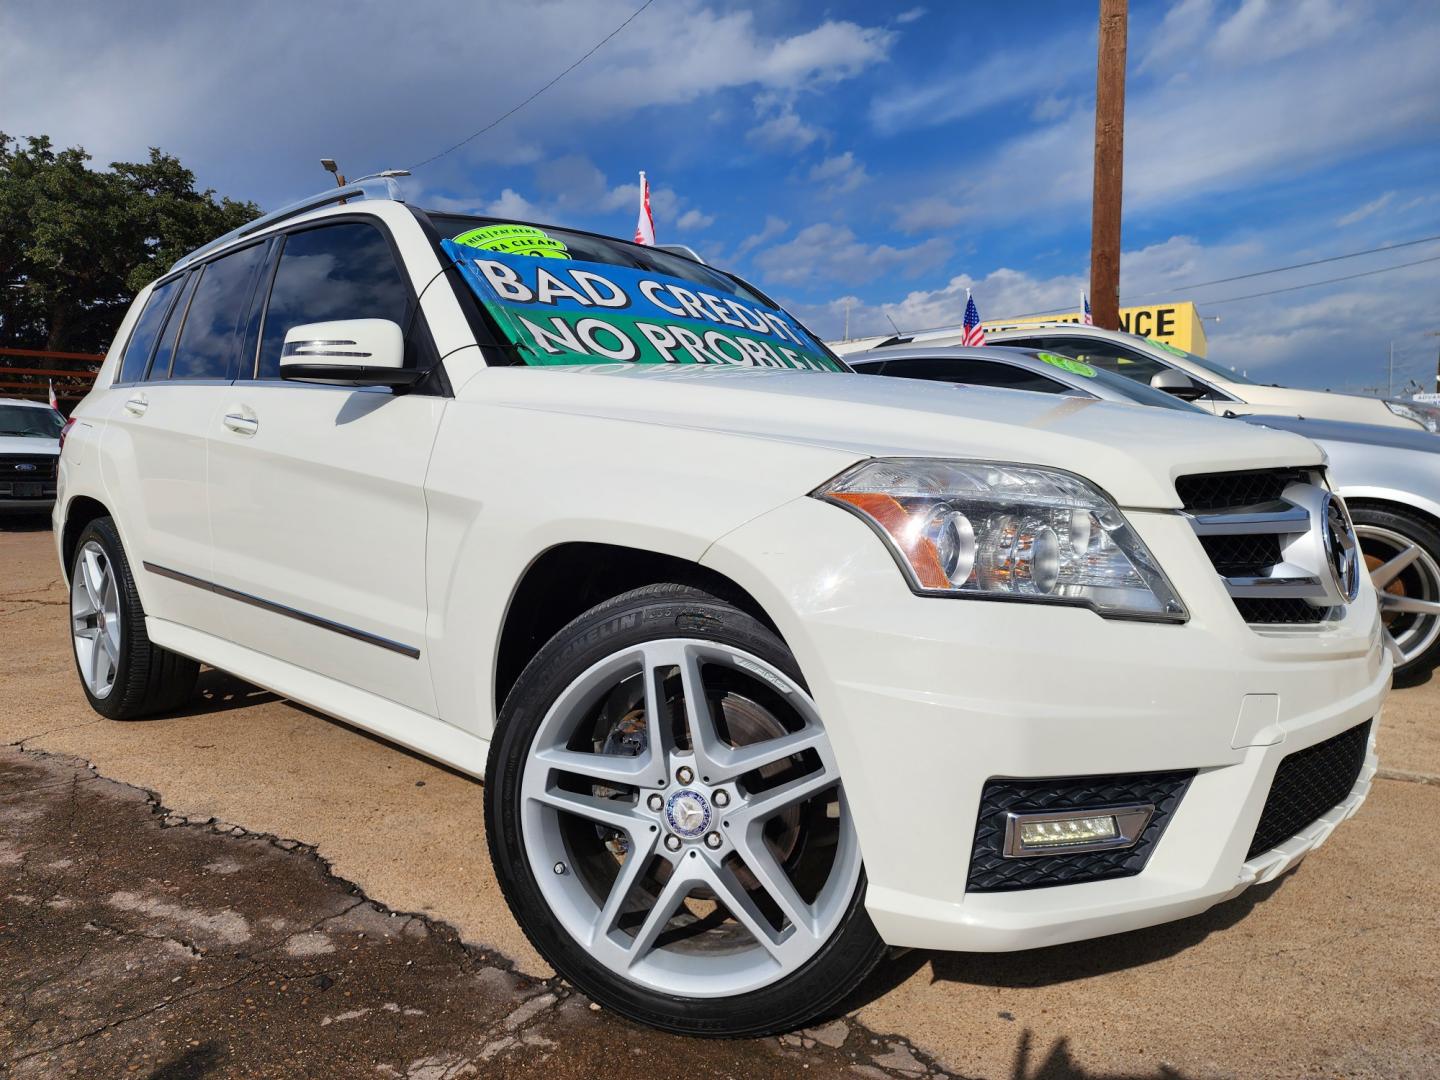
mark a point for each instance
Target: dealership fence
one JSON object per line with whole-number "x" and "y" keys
{"x": 28, "y": 373}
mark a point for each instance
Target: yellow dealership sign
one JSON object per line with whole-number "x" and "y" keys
{"x": 1175, "y": 324}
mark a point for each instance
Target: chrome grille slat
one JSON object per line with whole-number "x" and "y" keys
{"x": 1248, "y": 523}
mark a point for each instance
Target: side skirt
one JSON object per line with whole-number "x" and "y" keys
{"x": 395, "y": 723}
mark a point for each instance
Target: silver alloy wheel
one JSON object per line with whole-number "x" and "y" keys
{"x": 690, "y": 893}
{"x": 1407, "y": 579}
{"x": 95, "y": 619}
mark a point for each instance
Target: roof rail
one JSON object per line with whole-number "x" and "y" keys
{"x": 379, "y": 185}
{"x": 681, "y": 250}
{"x": 1030, "y": 324}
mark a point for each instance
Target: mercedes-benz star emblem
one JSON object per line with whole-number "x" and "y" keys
{"x": 1342, "y": 549}
{"x": 689, "y": 812}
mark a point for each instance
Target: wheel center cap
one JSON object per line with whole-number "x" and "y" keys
{"x": 688, "y": 812}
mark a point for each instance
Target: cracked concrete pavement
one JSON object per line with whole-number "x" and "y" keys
{"x": 1334, "y": 970}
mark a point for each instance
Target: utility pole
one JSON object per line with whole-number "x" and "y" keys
{"x": 1390, "y": 382}
{"x": 1109, "y": 164}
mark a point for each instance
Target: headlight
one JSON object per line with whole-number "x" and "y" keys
{"x": 1427, "y": 416}
{"x": 1006, "y": 532}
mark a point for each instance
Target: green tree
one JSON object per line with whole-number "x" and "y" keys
{"x": 77, "y": 244}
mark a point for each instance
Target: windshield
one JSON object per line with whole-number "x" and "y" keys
{"x": 30, "y": 423}
{"x": 1228, "y": 374}
{"x": 1140, "y": 393}
{"x": 563, "y": 297}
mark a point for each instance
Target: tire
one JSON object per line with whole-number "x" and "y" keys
{"x": 135, "y": 678}
{"x": 1384, "y": 533}
{"x": 708, "y": 972}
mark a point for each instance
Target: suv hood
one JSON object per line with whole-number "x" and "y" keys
{"x": 1134, "y": 453}
{"x": 1316, "y": 405}
{"x": 27, "y": 444}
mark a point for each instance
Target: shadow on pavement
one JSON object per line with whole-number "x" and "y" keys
{"x": 1059, "y": 1065}
{"x": 27, "y": 522}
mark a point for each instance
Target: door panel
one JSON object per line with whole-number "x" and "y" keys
{"x": 319, "y": 519}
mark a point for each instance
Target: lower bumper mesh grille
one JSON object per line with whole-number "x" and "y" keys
{"x": 1308, "y": 784}
{"x": 990, "y": 871}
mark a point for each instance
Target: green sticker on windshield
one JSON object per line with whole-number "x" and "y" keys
{"x": 1064, "y": 363}
{"x": 1171, "y": 349}
{"x": 514, "y": 240}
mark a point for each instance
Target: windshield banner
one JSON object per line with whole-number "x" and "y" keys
{"x": 558, "y": 310}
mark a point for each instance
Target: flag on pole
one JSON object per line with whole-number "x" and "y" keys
{"x": 974, "y": 332}
{"x": 54, "y": 401}
{"x": 645, "y": 226}
{"x": 1085, "y": 316}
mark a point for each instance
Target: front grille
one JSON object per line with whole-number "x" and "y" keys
{"x": 1308, "y": 784}
{"x": 1221, "y": 491}
{"x": 1242, "y": 556}
{"x": 1245, "y": 523}
{"x": 27, "y": 468}
{"x": 990, "y": 871}
{"x": 1279, "y": 611}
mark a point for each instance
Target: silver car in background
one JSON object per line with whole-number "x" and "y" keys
{"x": 1388, "y": 476}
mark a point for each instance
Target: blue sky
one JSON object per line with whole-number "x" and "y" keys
{"x": 880, "y": 157}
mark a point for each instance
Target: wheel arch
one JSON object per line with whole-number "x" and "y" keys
{"x": 1396, "y": 502}
{"x": 568, "y": 579}
{"x": 79, "y": 512}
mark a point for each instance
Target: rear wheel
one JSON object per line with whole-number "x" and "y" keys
{"x": 123, "y": 674}
{"x": 668, "y": 823}
{"x": 1403, "y": 553}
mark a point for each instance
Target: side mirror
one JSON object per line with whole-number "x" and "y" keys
{"x": 1178, "y": 384}
{"x": 349, "y": 352}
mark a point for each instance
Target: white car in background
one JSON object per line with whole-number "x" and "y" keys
{"x": 1220, "y": 390}
{"x": 766, "y": 664}
{"x": 29, "y": 448}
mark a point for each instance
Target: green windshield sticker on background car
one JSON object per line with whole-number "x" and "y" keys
{"x": 514, "y": 240}
{"x": 1171, "y": 349}
{"x": 1064, "y": 363}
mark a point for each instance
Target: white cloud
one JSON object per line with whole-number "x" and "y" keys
{"x": 839, "y": 175}
{"x": 693, "y": 220}
{"x": 834, "y": 252}
{"x": 772, "y": 228}
{"x": 911, "y": 14}
{"x": 1261, "y": 30}
{"x": 424, "y": 77}
{"x": 511, "y": 204}
{"x": 1360, "y": 213}
{"x": 781, "y": 127}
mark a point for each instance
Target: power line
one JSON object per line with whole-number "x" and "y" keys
{"x": 1327, "y": 281}
{"x": 1301, "y": 266}
{"x": 506, "y": 115}
{"x": 1275, "y": 270}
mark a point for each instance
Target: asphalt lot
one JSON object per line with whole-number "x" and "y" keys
{"x": 175, "y": 894}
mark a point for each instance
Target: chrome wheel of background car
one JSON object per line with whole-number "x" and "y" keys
{"x": 1407, "y": 579}
{"x": 683, "y": 817}
{"x": 95, "y": 619}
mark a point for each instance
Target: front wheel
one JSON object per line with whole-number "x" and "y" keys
{"x": 668, "y": 824}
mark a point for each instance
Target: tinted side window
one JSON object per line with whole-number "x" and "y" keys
{"x": 147, "y": 329}
{"x": 165, "y": 351}
{"x": 976, "y": 373}
{"x": 218, "y": 307}
{"x": 334, "y": 272}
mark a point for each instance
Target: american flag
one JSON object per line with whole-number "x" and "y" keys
{"x": 974, "y": 332}
{"x": 645, "y": 226}
{"x": 1085, "y": 317}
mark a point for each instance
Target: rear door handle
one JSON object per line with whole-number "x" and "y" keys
{"x": 242, "y": 421}
{"x": 137, "y": 405}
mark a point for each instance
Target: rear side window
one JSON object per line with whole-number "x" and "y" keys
{"x": 147, "y": 329}
{"x": 1104, "y": 354}
{"x": 976, "y": 373}
{"x": 165, "y": 351}
{"x": 218, "y": 307}
{"x": 341, "y": 271}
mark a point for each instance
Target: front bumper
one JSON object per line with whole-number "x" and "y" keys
{"x": 925, "y": 699}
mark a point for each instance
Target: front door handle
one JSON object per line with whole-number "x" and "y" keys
{"x": 242, "y": 421}
{"x": 137, "y": 405}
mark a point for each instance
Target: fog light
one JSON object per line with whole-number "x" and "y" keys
{"x": 1072, "y": 831}
{"x": 1037, "y": 834}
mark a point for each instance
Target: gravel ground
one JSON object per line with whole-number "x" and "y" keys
{"x": 211, "y": 894}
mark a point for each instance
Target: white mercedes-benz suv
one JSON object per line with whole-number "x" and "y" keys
{"x": 766, "y": 664}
